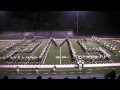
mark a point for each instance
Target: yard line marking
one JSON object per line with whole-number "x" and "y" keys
{"x": 106, "y": 68}
{"x": 90, "y": 69}
{"x": 45, "y": 73}
{"x": 71, "y": 72}
{"x": 91, "y": 44}
{"x": 88, "y": 72}
{"x": 60, "y": 55}
{"x": 37, "y": 49}
{"x": 47, "y": 53}
{"x": 33, "y": 53}
{"x": 98, "y": 69}
{"x": 68, "y": 70}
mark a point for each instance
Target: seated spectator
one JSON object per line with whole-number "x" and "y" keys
{"x": 39, "y": 77}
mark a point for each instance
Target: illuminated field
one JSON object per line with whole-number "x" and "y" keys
{"x": 56, "y": 55}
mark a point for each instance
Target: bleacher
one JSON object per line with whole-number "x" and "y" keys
{"x": 41, "y": 34}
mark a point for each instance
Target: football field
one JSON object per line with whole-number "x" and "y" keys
{"x": 57, "y": 53}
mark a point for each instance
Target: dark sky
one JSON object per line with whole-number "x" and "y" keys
{"x": 90, "y": 22}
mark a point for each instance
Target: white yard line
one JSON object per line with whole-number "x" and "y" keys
{"x": 71, "y": 72}
{"x": 36, "y": 49}
{"x": 90, "y": 69}
{"x": 33, "y": 53}
{"x": 45, "y": 73}
{"x": 98, "y": 69}
{"x": 54, "y": 73}
{"x": 46, "y": 53}
{"x": 91, "y": 44}
{"x": 60, "y": 55}
{"x": 88, "y": 72}
{"x": 12, "y": 59}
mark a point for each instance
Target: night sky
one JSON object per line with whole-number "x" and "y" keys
{"x": 90, "y": 22}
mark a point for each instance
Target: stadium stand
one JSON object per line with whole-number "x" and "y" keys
{"x": 42, "y": 34}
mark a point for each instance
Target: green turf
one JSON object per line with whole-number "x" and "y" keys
{"x": 38, "y": 52}
{"x": 88, "y": 45}
{"x": 65, "y": 52}
{"x": 77, "y": 48}
{"x": 30, "y": 45}
{"x": 51, "y": 57}
{"x": 76, "y": 71}
{"x": 54, "y": 52}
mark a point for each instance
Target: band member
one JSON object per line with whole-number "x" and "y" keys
{"x": 17, "y": 69}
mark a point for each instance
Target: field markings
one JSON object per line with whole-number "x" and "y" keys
{"x": 113, "y": 68}
{"x": 98, "y": 69}
{"x": 88, "y": 72}
{"x": 54, "y": 73}
{"x": 106, "y": 68}
{"x": 45, "y": 73}
{"x": 47, "y": 53}
{"x": 90, "y": 69}
{"x": 80, "y": 72}
{"x": 71, "y": 72}
{"x": 60, "y": 55}
{"x": 36, "y": 49}
{"x": 33, "y": 53}
{"x": 91, "y": 44}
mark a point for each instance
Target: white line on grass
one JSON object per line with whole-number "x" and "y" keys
{"x": 91, "y": 44}
{"x": 45, "y": 73}
{"x": 36, "y": 49}
{"x": 98, "y": 69}
{"x": 88, "y": 72}
{"x": 113, "y": 68}
{"x": 47, "y": 53}
{"x": 106, "y": 68}
{"x": 90, "y": 69}
{"x": 60, "y": 55}
{"x": 54, "y": 73}
{"x": 71, "y": 72}
{"x": 33, "y": 53}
